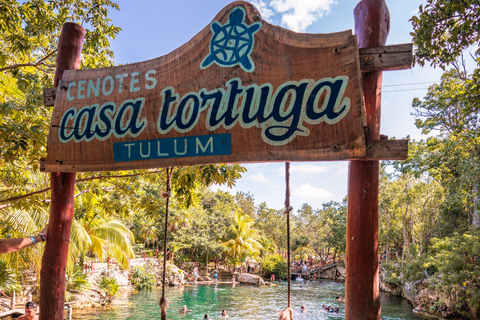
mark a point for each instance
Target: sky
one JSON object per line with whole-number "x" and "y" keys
{"x": 153, "y": 28}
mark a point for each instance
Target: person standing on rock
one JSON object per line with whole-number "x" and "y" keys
{"x": 195, "y": 273}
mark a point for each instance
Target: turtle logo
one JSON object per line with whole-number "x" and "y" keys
{"x": 232, "y": 43}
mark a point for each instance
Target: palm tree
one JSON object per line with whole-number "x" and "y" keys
{"x": 244, "y": 238}
{"x": 95, "y": 234}
{"x": 16, "y": 223}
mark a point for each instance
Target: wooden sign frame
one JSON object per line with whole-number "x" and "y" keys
{"x": 241, "y": 90}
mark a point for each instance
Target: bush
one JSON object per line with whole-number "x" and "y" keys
{"x": 109, "y": 285}
{"x": 275, "y": 264}
{"x": 142, "y": 279}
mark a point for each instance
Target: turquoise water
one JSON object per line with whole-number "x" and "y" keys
{"x": 242, "y": 303}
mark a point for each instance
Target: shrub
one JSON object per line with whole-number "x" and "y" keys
{"x": 142, "y": 279}
{"x": 275, "y": 264}
{"x": 109, "y": 285}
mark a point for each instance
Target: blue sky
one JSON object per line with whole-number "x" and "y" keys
{"x": 154, "y": 28}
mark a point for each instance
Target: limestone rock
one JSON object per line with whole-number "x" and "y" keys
{"x": 250, "y": 279}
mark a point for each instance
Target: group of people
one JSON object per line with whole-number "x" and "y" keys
{"x": 330, "y": 309}
{"x": 224, "y": 314}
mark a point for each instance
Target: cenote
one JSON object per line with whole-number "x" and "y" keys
{"x": 241, "y": 302}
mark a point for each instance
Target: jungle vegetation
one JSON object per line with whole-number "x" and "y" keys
{"x": 429, "y": 206}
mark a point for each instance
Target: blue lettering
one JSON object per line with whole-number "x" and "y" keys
{"x": 333, "y": 107}
{"x": 168, "y": 96}
{"x": 127, "y": 118}
{"x": 62, "y": 132}
{"x": 83, "y": 123}
{"x": 293, "y": 113}
{"x": 192, "y": 116}
{"x": 104, "y": 121}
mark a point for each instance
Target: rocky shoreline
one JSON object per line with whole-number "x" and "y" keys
{"x": 426, "y": 302}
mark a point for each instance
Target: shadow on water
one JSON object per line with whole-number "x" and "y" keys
{"x": 242, "y": 303}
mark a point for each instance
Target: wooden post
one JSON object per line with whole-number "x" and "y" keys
{"x": 54, "y": 261}
{"x": 362, "y": 283}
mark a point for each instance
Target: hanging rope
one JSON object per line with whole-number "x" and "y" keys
{"x": 287, "y": 313}
{"x": 166, "y": 195}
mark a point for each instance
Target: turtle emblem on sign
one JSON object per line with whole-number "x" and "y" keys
{"x": 232, "y": 43}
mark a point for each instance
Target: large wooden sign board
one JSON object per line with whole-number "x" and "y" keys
{"x": 241, "y": 90}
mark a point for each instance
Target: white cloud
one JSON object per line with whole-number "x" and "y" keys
{"x": 298, "y": 15}
{"x": 309, "y": 193}
{"x": 263, "y": 8}
{"x": 258, "y": 177}
{"x": 308, "y": 169}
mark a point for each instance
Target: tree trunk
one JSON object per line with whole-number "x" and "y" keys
{"x": 13, "y": 300}
{"x": 476, "y": 204}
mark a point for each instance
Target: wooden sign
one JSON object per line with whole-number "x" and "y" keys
{"x": 241, "y": 90}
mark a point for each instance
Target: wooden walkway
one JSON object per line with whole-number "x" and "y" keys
{"x": 314, "y": 270}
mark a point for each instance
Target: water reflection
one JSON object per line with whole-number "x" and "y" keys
{"x": 242, "y": 303}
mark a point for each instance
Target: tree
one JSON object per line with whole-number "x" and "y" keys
{"x": 443, "y": 29}
{"x": 105, "y": 238}
{"x": 243, "y": 238}
{"x": 455, "y": 153}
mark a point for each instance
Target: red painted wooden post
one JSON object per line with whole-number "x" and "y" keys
{"x": 54, "y": 261}
{"x": 362, "y": 283}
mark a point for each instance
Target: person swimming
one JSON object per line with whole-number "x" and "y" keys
{"x": 336, "y": 310}
{"x": 303, "y": 309}
{"x": 224, "y": 314}
{"x": 184, "y": 309}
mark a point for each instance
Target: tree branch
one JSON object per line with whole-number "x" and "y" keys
{"x": 36, "y": 64}
{"x": 100, "y": 177}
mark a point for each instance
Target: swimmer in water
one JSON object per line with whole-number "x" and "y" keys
{"x": 184, "y": 309}
{"x": 303, "y": 309}
{"x": 224, "y": 314}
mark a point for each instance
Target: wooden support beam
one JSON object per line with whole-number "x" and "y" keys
{"x": 386, "y": 150}
{"x": 54, "y": 260}
{"x": 49, "y": 96}
{"x": 362, "y": 300}
{"x": 385, "y": 58}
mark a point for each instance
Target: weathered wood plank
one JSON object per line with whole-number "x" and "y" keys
{"x": 384, "y": 58}
{"x": 49, "y": 96}
{"x": 387, "y": 150}
{"x": 397, "y": 57}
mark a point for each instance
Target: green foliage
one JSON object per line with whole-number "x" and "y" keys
{"x": 452, "y": 267}
{"x": 142, "y": 279}
{"x": 275, "y": 264}
{"x": 243, "y": 238}
{"x": 109, "y": 285}
{"x": 444, "y": 28}
{"x": 75, "y": 280}
{"x": 8, "y": 281}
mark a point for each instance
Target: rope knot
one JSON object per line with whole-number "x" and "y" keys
{"x": 288, "y": 209}
{"x": 166, "y": 195}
